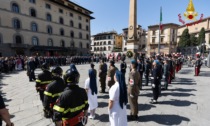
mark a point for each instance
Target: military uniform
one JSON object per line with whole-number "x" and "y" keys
{"x": 42, "y": 81}
{"x": 147, "y": 71}
{"x": 133, "y": 91}
{"x": 102, "y": 76}
{"x": 110, "y": 75}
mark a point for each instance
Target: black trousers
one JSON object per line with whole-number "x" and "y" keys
{"x": 146, "y": 79}
{"x": 156, "y": 91}
{"x": 41, "y": 95}
{"x": 32, "y": 76}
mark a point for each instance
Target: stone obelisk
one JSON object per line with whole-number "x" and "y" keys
{"x": 132, "y": 28}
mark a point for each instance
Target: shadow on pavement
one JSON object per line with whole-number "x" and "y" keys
{"x": 164, "y": 119}
{"x": 102, "y": 104}
{"x": 103, "y": 117}
{"x": 185, "y": 71}
{"x": 103, "y": 96}
{"x": 205, "y": 74}
{"x": 177, "y": 94}
{"x": 178, "y": 103}
{"x": 143, "y": 107}
{"x": 182, "y": 90}
{"x": 184, "y": 81}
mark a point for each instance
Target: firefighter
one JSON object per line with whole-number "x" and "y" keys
{"x": 72, "y": 106}
{"x": 43, "y": 80}
{"x": 53, "y": 91}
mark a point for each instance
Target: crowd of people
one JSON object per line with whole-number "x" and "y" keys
{"x": 68, "y": 104}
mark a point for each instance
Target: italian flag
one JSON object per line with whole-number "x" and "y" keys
{"x": 161, "y": 19}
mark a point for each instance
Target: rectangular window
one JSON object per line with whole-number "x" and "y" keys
{"x": 48, "y": 6}
{"x": 87, "y": 20}
{"x": 79, "y": 17}
{"x": 153, "y": 32}
{"x": 61, "y": 11}
{"x": 161, "y": 39}
{"x": 71, "y": 15}
{"x": 153, "y": 40}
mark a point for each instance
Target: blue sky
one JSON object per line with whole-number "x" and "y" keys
{"x": 113, "y": 14}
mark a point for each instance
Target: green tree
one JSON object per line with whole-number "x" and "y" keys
{"x": 201, "y": 38}
{"x": 193, "y": 40}
{"x": 185, "y": 39}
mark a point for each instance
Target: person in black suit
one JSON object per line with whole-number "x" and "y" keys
{"x": 147, "y": 71}
{"x": 31, "y": 68}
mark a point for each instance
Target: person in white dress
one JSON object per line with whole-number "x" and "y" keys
{"x": 91, "y": 89}
{"x": 117, "y": 101}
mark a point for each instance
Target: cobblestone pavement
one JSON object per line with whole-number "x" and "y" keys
{"x": 186, "y": 103}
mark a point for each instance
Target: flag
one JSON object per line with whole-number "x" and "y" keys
{"x": 161, "y": 19}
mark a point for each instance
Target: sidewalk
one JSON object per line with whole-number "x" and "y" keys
{"x": 186, "y": 103}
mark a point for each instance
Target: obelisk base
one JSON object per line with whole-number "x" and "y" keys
{"x": 133, "y": 47}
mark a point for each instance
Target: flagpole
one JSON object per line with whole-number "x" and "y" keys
{"x": 159, "y": 30}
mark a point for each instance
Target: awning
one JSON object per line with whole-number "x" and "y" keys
{"x": 48, "y": 48}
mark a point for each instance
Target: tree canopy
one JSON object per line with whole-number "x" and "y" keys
{"x": 185, "y": 39}
{"x": 201, "y": 38}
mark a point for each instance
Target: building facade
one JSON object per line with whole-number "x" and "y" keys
{"x": 195, "y": 29}
{"x": 168, "y": 39}
{"x": 141, "y": 38}
{"x": 44, "y": 27}
{"x": 103, "y": 43}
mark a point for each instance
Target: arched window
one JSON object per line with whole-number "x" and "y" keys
{"x": 94, "y": 43}
{"x": 97, "y": 49}
{"x": 109, "y": 42}
{"x": 100, "y": 48}
{"x": 104, "y": 43}
{"x": 33, "y": 12}
{"x": 49, "y": 17}
{"x": 61, "y": 20}
{"x": 61, "y": 31}
{"x": 15, "y": 8}
{"x": 97, "y": 43}
{"x": 71, "y": 23}
{"x": 16, "y": 24}
{"x": 80, "y": 26}
{"x": 100, "y": 43}
{"x": 104, "y": 48}
{"x": 87, "y": 46}
{"x": 62, "y": 43}
{"x": 34, "y": 27}
{"x": 35, "y": 41}
{"x": 94, "y": 49}
{"x": 109, "y": 48}
{"x": 49, "y": 30}
{"x": 80, "y": 45}
{"x": 87, "y": 28}
{"x": 80, "y": 35}
{"x": 72, "y": 34}
{"x": 87, "y": 37}
{"x": 72, "y": 44}
{"x": 18, "y": 39}
{"x": 50, "y": 42}
{"x": 32, "y": 1}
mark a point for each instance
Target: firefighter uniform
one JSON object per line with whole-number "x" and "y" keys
{"x": 133, "y": 92}
{"x": 42, "y": 81}
{"x": 71, "y": 107}
{"x": 52, "y": 92}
